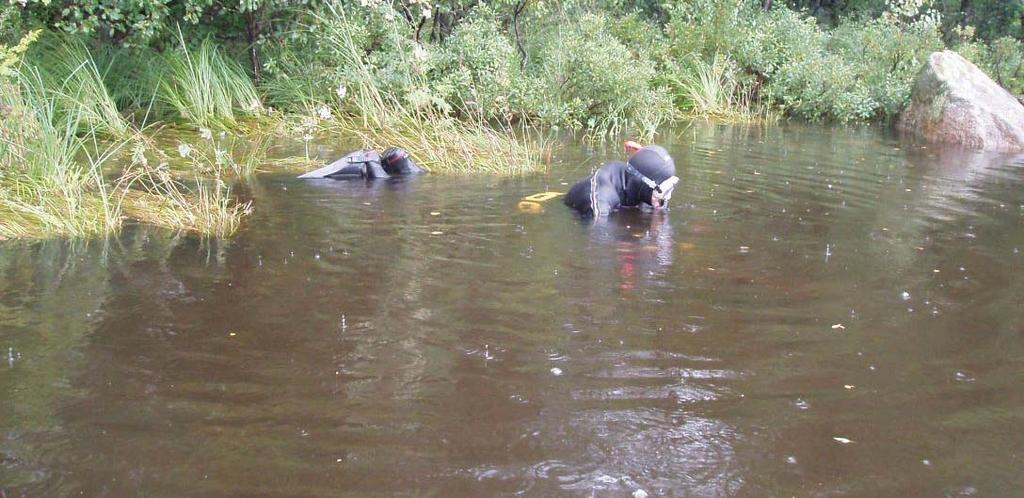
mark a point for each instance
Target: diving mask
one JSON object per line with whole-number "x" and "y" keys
{"x": 663, "y": 192}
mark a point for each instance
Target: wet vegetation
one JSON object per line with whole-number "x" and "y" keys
{"x": 462, "y": 85}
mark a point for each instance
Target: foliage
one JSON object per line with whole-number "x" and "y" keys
{"x": 861, "y": 70}
{"x": 206, "y": 88}
{"x": 1003, "y": 59}
{"x": 70, "y": 69}
{"x": 51, "y": 178}
{"x": 477, "y": 68}
{"x": 715, "y": 89}
{"x": 410, "y": 117}
{"x": 10, "y": 57}
{"x": 585, "y": 77}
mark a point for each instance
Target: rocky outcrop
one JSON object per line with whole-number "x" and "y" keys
{"x": 955, "y": 102}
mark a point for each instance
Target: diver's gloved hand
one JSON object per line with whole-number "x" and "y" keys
{"x": 396, "y": 161}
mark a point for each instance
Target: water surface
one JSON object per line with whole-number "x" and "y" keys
{"x": 821, "y": 313}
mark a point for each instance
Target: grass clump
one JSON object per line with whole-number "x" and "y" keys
{"x": 438, "y": 141}
{"x": 206, "y": 88}
{"x": 77, "y": 85}
{"x": 58, "y": 148}
{"x": 716, "y": 90}
{"x": 207, "y": 206}
{"x": 51, "y": 178}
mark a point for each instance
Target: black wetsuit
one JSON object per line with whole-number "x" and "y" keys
{"x": 369, "y": 164}
{"x": 615, "y": 185}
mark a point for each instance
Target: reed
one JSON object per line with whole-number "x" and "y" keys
{"x": 73, "y": 77}
{"x": 51, "y": 164}
{"x": 206, "y": 88}
{"x": 713, "y": 90}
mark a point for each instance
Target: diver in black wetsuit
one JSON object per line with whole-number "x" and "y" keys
{"x": 648, "y": 178}
{"x": 369, "y": 164}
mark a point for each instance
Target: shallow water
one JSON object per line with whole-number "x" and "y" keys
{"x": 821, "y": 313}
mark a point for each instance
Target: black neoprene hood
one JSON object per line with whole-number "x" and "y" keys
{"x": 654, "y": 162}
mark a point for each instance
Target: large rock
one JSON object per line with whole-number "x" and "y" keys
{"x": 955, "y": 102}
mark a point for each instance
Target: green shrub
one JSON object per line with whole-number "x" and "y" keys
{"x": 476, "y": 69}
{"x": 709, "y": 27}
{"x": 886, "y": 58}
{"x": 589, "y": 79}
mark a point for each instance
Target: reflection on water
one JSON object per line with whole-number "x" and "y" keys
{"x": 822, "y": 312}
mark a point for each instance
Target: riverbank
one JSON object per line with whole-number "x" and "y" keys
{"x": 457, "y": 88}
{"x": 76, "y": 164}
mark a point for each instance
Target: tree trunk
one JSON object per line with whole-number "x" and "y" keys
{"x": 523, "y": 56}
{"x": 253, "y": 35}
{"x": 766, "y": 5}
{"x": 1022, "y": 25}
{"x": 965, "y": 13}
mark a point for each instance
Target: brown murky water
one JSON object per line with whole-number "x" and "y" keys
{"x": 822, "y": 313}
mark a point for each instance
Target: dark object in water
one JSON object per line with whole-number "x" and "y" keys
{"x": 397, "y": 161}
{"x": 368, "y": 164}
{"x": 648, "y": 178}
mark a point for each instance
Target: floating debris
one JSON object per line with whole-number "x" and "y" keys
{"x": 435, "y": 232}
{"x": 905, "y": 295}
{"x": 556, "y": 371}
{"x": 838, "y": 326}
{"x": 963, "y": 377}
{"x": 842, "y": 440}
{"x": 639, "y": 494}
{"x": 435, "y": 213}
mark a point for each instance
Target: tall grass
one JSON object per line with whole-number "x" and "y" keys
{"x": 713, "y": 90}
{"x": 54, "y": 160}
{"x": 207, "y": 88}
{"x": 51, "y": 181}
{"x": 437, "y": 141}
{"x": 72, "y": 75}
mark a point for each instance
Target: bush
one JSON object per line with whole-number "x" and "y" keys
{"x": 477, "y": 68}
{"x": 886, "y": 58}
{"x": 588, "y": 78}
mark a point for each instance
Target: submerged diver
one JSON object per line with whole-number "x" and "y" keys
{"x": 647, "y": 178}
{"x": 369, "y": 164}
